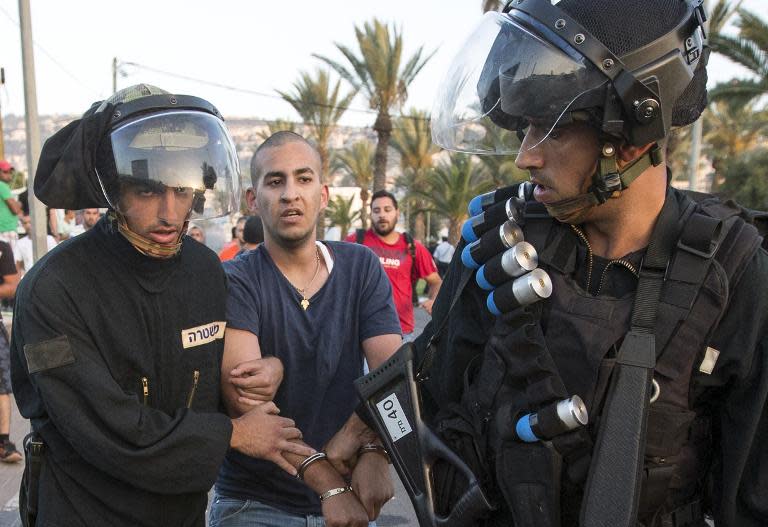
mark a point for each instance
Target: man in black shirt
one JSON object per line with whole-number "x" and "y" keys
{"x": 117, "y": 337}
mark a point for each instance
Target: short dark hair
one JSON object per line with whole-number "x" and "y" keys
{"x": 283, "y": 137}
{"x": 253, "y": 231}
{"x": 383, "y": 194}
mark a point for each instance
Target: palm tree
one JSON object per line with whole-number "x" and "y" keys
{"x": 357, "y": 161}
{"x": 730, "y": 130}
{"x": 278, "y": 125}
{"x": 749, "y": 49}
{"x": 412, "y": 139}
{"x": 501, "y": 168}
{"x": 339, "y": 212}
{"x": 450, "y": 186}
{"x": 376, "y": 71}
{"x": 320, "y": 106}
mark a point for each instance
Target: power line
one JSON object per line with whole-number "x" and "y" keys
{"x": 255, "y": 92}
{"x": 49, "y": 55}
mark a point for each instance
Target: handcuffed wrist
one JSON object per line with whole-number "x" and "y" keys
{"x": 304, "y": 465}
{"x": 334, "y": 492}
{"x": 373, "y": 447}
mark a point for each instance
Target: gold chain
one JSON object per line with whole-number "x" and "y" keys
{"x": 304, "y": 301}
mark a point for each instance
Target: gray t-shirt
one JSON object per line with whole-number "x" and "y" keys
{"x": 321, "y": 351}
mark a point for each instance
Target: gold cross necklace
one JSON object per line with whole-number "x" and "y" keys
{"x": 304, "y": 301}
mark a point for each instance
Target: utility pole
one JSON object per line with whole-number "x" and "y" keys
{"x": 2, "y": 137}
{"x": 36, "y": 208}
{"x": 114, "y": 75}
{"x": 693, "y": 160}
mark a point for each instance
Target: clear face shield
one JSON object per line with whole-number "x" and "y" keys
{"x": 180, "y": 164}
{"x": 510, "y": 81}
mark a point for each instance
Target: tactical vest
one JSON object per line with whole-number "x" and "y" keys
{"x": 715, "y": 245}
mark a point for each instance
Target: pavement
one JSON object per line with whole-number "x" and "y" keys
{"x": 396, "y": 513}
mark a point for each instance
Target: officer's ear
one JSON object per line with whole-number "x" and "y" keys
{"x": 626, "y": 153}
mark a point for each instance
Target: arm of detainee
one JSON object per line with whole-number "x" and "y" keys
{"x": 371, "y": 479}
{"x": 247, "y": 379}
{"x": 369, "y": 472}
{"x": 343, "y": 446}
{"x": 108, "y": 426}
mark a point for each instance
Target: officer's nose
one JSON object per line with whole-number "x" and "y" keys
{"x": 530, "y": 155}
{"x": 173, "y": 206}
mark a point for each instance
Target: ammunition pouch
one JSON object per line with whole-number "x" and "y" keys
{"x": 34, "y": 450}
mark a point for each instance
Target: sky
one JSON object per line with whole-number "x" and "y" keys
{"x": 253, "y": 45}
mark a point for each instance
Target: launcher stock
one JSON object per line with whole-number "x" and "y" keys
{"x": 391, "y": 396}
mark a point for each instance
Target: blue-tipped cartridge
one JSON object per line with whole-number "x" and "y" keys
{"x": 474, "y": 227}
{"x": 527, "y": 289}
{"x": 552, "y": 420}
{"x": 466, "y": 255}
{"x": 512, "y": 263}
{"x": 484, "y": 201}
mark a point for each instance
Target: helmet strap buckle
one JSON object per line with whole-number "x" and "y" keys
{"x": 607, "y": 180}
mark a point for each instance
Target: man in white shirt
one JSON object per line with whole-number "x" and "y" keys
{"x": 442, "y": 255}
{"x": 23, "y": 251}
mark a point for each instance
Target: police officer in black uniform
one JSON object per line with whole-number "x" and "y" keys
{"x": 658, "y": 314}
{"x": 117, "y": 336}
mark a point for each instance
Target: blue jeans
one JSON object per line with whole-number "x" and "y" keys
{"x": 233, "y": 512}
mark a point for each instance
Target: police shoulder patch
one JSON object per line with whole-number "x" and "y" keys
{"x": 204, "y": 334}
{"x": 48, "y": 354}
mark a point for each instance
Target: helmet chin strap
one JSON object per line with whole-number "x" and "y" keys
{"x": 607, "y": 182}
{"x": 145, "y": 246}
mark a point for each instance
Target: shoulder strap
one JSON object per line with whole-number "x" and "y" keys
{"x": 612, "y": 492}
{"x": 411, "y": 245}
{"x": 359, "y": 235}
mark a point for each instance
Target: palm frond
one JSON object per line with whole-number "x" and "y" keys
{"x": 754, "y": 29}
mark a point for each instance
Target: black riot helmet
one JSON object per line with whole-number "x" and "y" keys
{"x": 142, "y": 135}
{"x": 143, "y": 150}
{"x": 634, "y": 68}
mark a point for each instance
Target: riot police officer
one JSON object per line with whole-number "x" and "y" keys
{"x": 117, "y": 336}
{"x": 658, "y": 313}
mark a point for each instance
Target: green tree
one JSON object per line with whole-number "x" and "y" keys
{"x": 450, "y": 186}
{"x": 412, "y": 139}
{"x": 18, "y": 179}
{"x": 320, "y": 106}
{"x": 749, "y": 49}
{"x": 357, "y": 162}
{"x": 376, "y": 71}
{"x": 745, "y": 179}
{"x": 730, "y": 130}
{"x": 339, "y": 213}
{"x": 501, "y": 168}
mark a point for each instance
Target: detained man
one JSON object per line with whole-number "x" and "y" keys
{"x": 313, "y": 310}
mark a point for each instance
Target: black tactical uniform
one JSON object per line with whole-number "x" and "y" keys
{"x": 707, "y": 428}
{"x": 116, "y": 362}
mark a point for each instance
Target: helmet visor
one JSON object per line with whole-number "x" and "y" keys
{"x": 509, "y": 73}
{"x": 186, "y": 154}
